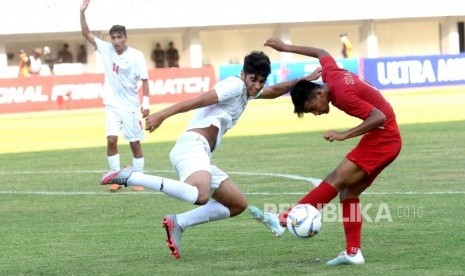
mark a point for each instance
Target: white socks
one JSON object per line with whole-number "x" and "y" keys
{"x": 173, "y": 188}
{"x": 113, "y": 162}
{"x": 211, "y": 211}
{"x": 138, "y": 164}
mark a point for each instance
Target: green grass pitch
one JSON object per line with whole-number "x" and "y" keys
{"x": 56, "y": 220}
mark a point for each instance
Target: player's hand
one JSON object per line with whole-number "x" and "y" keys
{"x": 84, "y": 5}
{"x": 332, "y": 135}
{"x": 153, "y": 121}
{"x": 145, "y": 112}
{"x": 276, "y": 44}
{"x": 315, "y": 75}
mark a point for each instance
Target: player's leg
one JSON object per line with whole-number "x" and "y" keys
{"x": 352, "y": 222}
{"x": 134, "y": 133}
{"x": 191, "y": 160}
{"x": 176, "y": 224}
{"x": 138, "y": 161}
{"x": 227, "y": 201}
{"x": 174, "y": 188}
{"x": 113, "y": 127}
{"x": 347, "y": 177}
{"x": 347, "y": 173}
{"x": 373, "y": 154}
{"x": 112, "y": 152}
{"x": 212, "y": 211}
{"x": 229, "y": 195}
{"x": 191, "y": 153}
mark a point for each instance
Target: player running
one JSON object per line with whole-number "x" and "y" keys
{"x": 379, "y": 146}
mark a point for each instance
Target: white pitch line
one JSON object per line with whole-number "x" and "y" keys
{"x": 313, "y": 181}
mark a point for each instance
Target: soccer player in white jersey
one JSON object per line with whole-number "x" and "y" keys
{"x": 201, "y": 182}
{"x": 124, "y": 69}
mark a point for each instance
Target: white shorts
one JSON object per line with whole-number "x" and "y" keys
{"x": 190, "y": 154}
{"x": 126, "y": 121}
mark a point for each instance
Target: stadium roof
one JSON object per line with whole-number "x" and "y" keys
{"x": 57, "y": 16}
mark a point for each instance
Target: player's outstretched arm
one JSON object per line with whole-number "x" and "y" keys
{"x": 153, "y": 121}
{"x": 84, "y": 27}
{"x": 280, "y": 46}
{"x": 279, "y": 89}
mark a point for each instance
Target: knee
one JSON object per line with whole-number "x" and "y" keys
{"x": 242, "y": 206}
{"x": 238, "y": 207}
{"x": 112, "y": 140}
{"x": 336, "y": 180}
{"x": 202, "y": 199}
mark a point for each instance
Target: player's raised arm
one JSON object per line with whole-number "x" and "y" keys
{"x": 84, "y": 27}
{"x": 279, "y": 89}
{"x": 280, "y": 46}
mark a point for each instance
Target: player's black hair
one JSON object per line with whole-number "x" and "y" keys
{"x": 257, "y": 63}
{"x": 302, "y": 91}
{"x": 119, "y": 29}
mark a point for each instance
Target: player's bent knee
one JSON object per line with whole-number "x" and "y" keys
{"x": 202, "y": 199}
{"x": 238, "y": 207}
{"x": 241, "y": 208}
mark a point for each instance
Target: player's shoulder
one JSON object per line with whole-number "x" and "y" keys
{"x": 134, "y": 51}
{"x": 230, "y": 82}
{"x": 230, "y": 86}
{"x": 329, "y": 64}
{"x": 235, "y": 79}
{"x": 102, "y": 45}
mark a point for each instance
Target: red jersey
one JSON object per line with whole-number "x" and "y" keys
{"x": 378, "y": 147}
{"x": 353, "y": 95}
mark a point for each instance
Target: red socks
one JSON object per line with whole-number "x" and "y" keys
{"x": 352, "y": 220}
{"x": 351, "y": 213}
{"x": 318, "y": 197}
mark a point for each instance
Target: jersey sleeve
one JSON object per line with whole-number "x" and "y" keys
{"x": 328, "y": 64}
{"x": 228, "y": 88}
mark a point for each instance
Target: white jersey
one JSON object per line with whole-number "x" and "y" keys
{"x": 122, "y": 76}
{"x": 232, "y": 100}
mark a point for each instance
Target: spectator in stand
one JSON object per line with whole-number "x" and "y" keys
{"x": 65, "y": 56}
{"x": 172, "y": 55}
{"x": 82, "y": 55}
{"x": 158, "y": 56}
{"x": 346, "y": 46}
{"x": 23, "y": 64}
{"x": 35, "y": 61}
{"x": 49, "y": 59}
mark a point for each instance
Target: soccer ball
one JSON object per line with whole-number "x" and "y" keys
{"x": 304, "y": 221}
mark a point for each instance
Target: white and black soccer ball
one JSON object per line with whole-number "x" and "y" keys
{"x": 304, "y": 221}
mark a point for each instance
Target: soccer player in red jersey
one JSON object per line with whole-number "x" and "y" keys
{"x": 380, "y": 143}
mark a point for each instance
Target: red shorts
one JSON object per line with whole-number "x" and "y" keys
{"x": 374, "y": 152}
